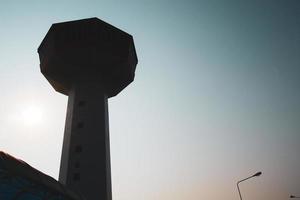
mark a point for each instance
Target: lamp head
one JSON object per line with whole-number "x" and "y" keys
{"x": 257, "y": 174}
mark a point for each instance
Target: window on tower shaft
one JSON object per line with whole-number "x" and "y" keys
{"x": 77, "y": 164}
{"x": 81, "y": 103}
{"x": 80, "y": 125}
{"x": 78, "y": 148}
{"x": 76, "y": 176}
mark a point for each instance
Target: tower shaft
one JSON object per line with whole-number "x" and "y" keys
{"x": 85, "y": 161}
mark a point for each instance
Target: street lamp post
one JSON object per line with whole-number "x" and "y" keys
{"x": 294, "y": 197}
{"x": 256, "y": 174}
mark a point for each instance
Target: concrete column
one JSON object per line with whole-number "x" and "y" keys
{"x": 85, "y": 161}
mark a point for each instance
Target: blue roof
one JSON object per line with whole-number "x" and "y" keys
{"x": 20, "y": 181}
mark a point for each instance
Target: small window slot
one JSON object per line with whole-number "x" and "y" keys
{"x": 81, "y": 103}
{"x": 78, "y": 148}
{"x": 80, "y": 125}
{"x": 76, "y": 176}
{"x": 77, "y": 165}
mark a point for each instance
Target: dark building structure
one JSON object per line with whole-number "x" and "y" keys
{"x": 20, "y": 181}
{"x": 90, "y": 61}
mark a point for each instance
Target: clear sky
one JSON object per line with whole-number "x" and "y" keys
{"x": 215, "y": 99}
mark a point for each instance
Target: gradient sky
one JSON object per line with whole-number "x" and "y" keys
{"x": 215, "y": 99}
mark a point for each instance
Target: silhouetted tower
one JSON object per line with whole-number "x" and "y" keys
{"x": 90, "y": 61}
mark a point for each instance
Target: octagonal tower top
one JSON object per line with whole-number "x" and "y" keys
{"x": 87, "y": 51}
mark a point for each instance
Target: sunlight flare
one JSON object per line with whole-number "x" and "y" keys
{"x": 32, "y": 115}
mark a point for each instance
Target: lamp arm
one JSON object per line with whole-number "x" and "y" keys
{"x": 237, "y": 184}
{"x": 239, "y": 189}
{"x": 245, "y": 179}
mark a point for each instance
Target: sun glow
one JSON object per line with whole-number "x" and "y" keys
{"x": 32, "y": 115}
